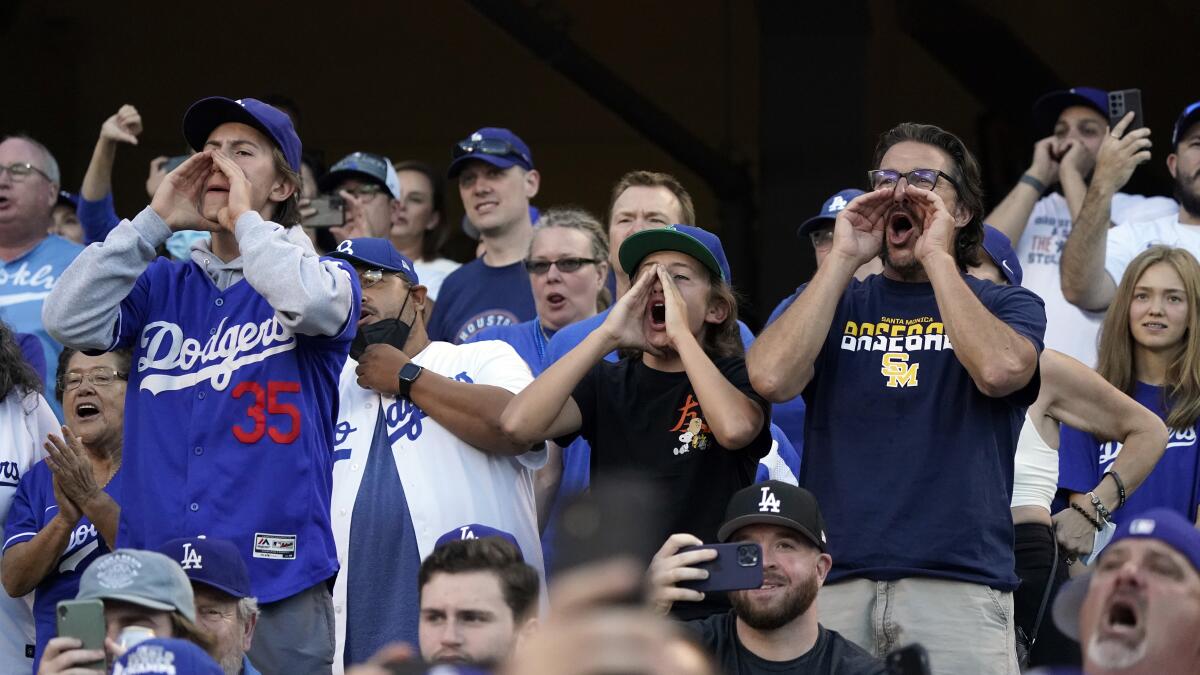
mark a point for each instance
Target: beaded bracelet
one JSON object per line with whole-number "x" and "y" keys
{"x": 1095, "y": 523}
{"x": 1101, "y": 510}
{"x": 1120, "y": 487}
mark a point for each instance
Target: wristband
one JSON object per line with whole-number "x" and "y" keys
{"x": 1101, "y": 510}
{"x": 1033, "y": 183}
{"x": 1095, "y": 523}
{"x": 1120, "y": 487}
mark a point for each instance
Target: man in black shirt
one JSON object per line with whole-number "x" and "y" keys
{"x": 773, "y": 628}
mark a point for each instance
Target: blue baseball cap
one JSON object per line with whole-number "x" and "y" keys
{"x": 499, "y": 147}
{"x": 1165, "y": 525}
{"x": 375, "y": 168}
{"x": 167, "y": 656}
{"x": 376, "y": 253}
{"x": 212, "y": 562}
{"x": 1047, "y": 108}
{"x": 1187, "y": 118}
{"x": 829, "y": 211}
{"x": 698, "y": 243}
{"x": 209, "y": 113}
{"x": 998, "y": 247}
{"x": 475, "y": 531}
{"x": 67, "y": 199}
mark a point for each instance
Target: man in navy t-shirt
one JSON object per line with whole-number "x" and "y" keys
{"x": 912, "y": 381}
{"x": 496, "y": 180}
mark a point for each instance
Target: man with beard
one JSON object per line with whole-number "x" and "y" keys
{"x": 1094, "y": 259}
{"x": 1138, "y": 611}
{"x": 915, "y": 382}
{"x": 1071, "y": 123}
{"x": 773, "y": 628}
{"x": 417, "y": 451}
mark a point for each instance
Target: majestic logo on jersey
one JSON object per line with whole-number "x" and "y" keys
{"x": 10, "y": 474}
{"x": 274, "y": 546}
{"x": 192, "y": 559}
{"x": 696, "y": 433}
{"x": 769, "y": 503}
{"x": 898, "y": 371}
{"x": 227, "y": 349}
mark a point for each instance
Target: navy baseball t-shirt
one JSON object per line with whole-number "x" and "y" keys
{"x": 476, "y": 296}
{"x": 911, "y": 463}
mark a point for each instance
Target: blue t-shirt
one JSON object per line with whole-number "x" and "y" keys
{"x": 911, "y": 463}
{"x": 476, "y": 296}
{"x": 24, "y": 285}
{"x": 528, "y": 339}
{"x": 34, "y": 506}
{"x": 1174, "y": 483}
{"x": 97, "y": 218}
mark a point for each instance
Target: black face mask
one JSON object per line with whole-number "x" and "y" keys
{"x": 392, "y": 332}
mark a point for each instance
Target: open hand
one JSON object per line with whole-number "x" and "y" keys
{"x": 68, "y": 461}
{"x": 937, "y": 225}
{"x": 625, "y": 321}
{"x": 239, "y": 190}
{"x": 177, "y": 199}
{"x": 859, "y": 228}
{"x": 1120, "y": 153}
{"x": 669, "y": 567}
{"x": 677, "y": 324}
{"x": 123, "y": 127}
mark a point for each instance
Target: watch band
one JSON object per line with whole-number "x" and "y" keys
{"x": 408, "y": 374}
{"x": 1034, "y": 183}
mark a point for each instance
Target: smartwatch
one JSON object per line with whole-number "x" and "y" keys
{"x": 409, "y": 374}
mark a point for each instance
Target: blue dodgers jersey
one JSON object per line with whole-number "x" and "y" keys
{"x": 229, "y": 422}
{"x": 911, "y": 463}
{"x": 24, "y": 285}
{"x": 475, "y": 297}
{"x": 33, "y": 507}
{"x": 1174, "y": 483}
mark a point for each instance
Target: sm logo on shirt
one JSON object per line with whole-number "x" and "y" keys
{"x": 898, "y": 371}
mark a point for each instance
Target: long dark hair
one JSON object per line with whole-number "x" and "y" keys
{"x": 15, "y": 371}
{"x": 435, "y": 239}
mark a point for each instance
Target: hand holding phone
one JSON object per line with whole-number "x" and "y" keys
{"x": 328, "y": 211}
{"x": 1125, "y": 101}
{"x": 84, "y": 621}
{"x": 736, "y": 567}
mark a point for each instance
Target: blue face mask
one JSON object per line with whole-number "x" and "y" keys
{"x": 180, "y": 243}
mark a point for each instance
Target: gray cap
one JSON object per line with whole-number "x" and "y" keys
{"x": 144, "y": 578}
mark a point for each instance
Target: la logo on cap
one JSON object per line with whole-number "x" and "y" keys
{"x": 769, "y": 503}
{"x": 1141, "y": 526}
{"x": 839, "y": 202}
{"x": 477, "y": 136}
{"x": 346, "y": 247}
{"x": 465, "y": 533}
{"x": 191, "y": 558}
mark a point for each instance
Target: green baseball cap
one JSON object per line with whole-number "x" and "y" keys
{"x": 700, "y": 244}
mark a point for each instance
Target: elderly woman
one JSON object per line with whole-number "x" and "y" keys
{"x": 64, "y": 515}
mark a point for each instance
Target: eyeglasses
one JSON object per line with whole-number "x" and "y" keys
{"x": 822, "y": 238}
{"x": 926, "y": 179}
{"x": 369, "y": 278}
{"x": 489, "y": 146}
{"x": 564, "y": 265}
{"x": 100, "y": 377}
{"x": 22, "y": 170}
{"x": 366, "y": 191}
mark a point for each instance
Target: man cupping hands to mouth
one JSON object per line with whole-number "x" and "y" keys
{"x": 915, "y": 381}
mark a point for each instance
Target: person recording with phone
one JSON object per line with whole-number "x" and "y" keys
{"x": 1071, "y": 124}
{"x": 1094, "y": 258}
{"x": 774, "y": 627}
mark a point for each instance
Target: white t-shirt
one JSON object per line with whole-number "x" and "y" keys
{"x": 447, "y": 483}
{"x": 432, "y": 273}
{"x": 1069, "y": 329}
{"x": 1126, "y": 242}
{"x": 25, "y": 421}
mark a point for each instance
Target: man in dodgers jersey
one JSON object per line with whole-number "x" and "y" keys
{"x": 418, "y": 452}
{"x": 233, "y": 394}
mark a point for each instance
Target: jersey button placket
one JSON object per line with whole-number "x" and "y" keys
{"x": 194, "y": 507}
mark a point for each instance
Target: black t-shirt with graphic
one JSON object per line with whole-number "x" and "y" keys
{"x": 638, "y": 419}
{"x": 832, "y": 654}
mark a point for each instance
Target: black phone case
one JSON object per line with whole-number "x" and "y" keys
{"x": 724, "y": 572}
{"x": 1123, "y": 101}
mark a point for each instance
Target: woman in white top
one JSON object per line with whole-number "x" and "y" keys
{"x": 1073, "y": 394}
{"x": 419, "y": 226}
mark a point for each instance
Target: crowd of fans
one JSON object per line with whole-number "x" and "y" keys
{"x": 271, "y": 427}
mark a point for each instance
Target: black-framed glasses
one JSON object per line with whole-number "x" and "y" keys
{"x": 564, "y": 265}
{"x": 926, "y": 179}
{"x": 366, "y": 191}
{"x": 99, "y": 377}
{"x": 489, "y": 146}
{"x": 22, "y": 170}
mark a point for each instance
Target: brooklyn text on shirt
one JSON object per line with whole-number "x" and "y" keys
{"x": 43, "y": 278}
{"x": 1179, "y": 438}
{"x": 227, "y": 349}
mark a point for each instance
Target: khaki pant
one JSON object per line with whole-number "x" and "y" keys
{"x": 966, "y": 628}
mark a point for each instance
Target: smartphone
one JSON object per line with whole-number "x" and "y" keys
{"x": 173, "y": 163}
{"x": 83, "y": 620}
{"x": 616, "y": 517}
{"x": 737, "y": 567}
{"x": 1125, "y": 101}
{"x": 331, "y": 212}
{"x": 909, "y": 660}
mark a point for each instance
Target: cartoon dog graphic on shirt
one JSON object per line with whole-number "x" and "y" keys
{"x": 694, "y": 437}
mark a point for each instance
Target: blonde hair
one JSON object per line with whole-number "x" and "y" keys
{"x": 575, "y": 218}
{"x": 287, "y": 212}
{"x": 1117, "y": 345}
